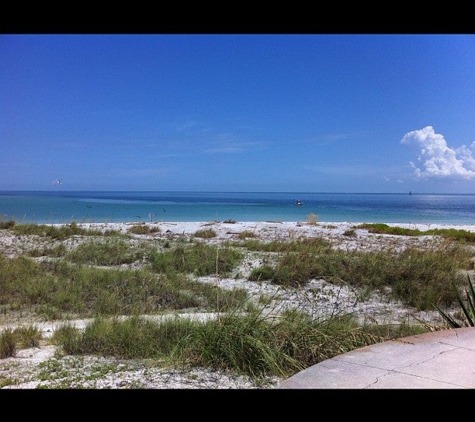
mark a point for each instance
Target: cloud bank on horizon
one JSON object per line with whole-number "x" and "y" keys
{"x": 437, "y": 159}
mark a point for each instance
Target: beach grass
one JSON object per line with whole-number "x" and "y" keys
{"x": 417, "y": 277}
{"x": 466, "y": 300}
{"x": 106, "y": 275}
{"x": 244, "y": 344}
{"x": 449, "y": 233}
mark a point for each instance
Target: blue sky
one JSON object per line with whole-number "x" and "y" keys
{"x": 238, "y": 112}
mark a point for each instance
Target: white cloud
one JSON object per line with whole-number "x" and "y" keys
{"x": 436, "y": 159}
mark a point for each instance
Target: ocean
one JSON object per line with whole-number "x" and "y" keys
{"x": 51, "y": 207}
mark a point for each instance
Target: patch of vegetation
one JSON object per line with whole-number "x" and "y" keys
{"x": 73, "y": 372}
{"x": 7, "y": 344}
{"x": 381, "y": 228}
{"x": 310, "y": 244}
{"x": 417, "y": 277}
{"x": 59, "y": 232}
{"x": 113, "y": 251}
{"x": 52, "y": 251}
{"x": 198, "y": 259}
{"x": 4, "y": 382}
{"x": 453, "y": 234}
{"x": 205, "y": 233}
{"x": 245, "y": 340}
{"x": 55, "y": 289}
{"x": 247, "y": 234}
{"x": 252, "y": 345}
{"x": 19, "y": 338}
{"x": 27, "y": 337}
{"x": 265, "y": 272}
{"x": 143, "y": 229}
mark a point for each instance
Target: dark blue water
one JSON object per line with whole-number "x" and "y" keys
{"x": 66, "y": 207}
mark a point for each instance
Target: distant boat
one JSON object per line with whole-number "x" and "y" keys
{"x": 410, "y": 192}
{"x": 298, "y": 202}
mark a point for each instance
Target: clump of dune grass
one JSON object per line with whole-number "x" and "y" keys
{"x": 113, "y": 251}
{"x": 205, "y": 233}
{"x": 143, "y": 229}
{"x": 265, "y": 272}
{"x": 7, "y": 344}
{"x": 27, "y": 337}
{"x": 51, "y": 251}
{"x": 198, "y": 259}
{"x": 247, "y": 234}
{"x": 12, "y": 340}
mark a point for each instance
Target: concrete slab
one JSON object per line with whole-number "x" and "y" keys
{"x": 441, "y": 359}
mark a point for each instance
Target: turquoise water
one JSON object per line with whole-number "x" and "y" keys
{"x": 65, "y": 207}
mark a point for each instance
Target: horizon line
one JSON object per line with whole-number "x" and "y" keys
{"x": 245, "y": 191}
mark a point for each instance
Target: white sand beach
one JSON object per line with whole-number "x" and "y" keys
{"x": 267, "y": 230}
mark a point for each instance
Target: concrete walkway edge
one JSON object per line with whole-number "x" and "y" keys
{"x": 441, "y": 359}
